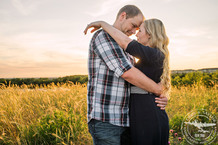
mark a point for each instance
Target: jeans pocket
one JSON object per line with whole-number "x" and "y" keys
{"x": 91, "y": 126}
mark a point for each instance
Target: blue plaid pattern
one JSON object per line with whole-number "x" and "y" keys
{"x": 108, "y": 93}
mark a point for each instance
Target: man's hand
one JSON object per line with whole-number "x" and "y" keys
{"x": 161, "y": 101}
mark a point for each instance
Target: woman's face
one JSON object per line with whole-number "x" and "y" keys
{"x": 142, "y": 36}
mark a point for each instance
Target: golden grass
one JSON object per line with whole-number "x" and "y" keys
{"x": 21, "y": 107}
{"x": 186, "y": 99}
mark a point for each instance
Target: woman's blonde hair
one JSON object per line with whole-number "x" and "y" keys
{"x": 158, "y": 39}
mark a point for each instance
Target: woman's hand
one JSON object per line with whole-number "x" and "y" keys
{"x": 97, "y": 25}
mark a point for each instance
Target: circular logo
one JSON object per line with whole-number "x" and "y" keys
{"x": 199, "y": 127}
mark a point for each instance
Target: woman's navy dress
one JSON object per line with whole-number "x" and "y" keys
{"x": 148, "y": 124}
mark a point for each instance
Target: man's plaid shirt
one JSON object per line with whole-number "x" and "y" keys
{"x": 108, "y": 94}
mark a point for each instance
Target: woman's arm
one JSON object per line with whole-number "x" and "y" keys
{"x": 122, "y": 39}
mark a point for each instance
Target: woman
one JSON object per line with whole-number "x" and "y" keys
{"x": 148, "y": 123}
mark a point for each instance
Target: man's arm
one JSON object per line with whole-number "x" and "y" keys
{"x": 137, "y": 78}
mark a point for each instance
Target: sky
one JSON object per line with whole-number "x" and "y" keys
{"x": 44, "y": 38}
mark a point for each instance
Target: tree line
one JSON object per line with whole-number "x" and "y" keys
{"x": 188, "y": 79}
{"x": 177, "y": 79}
{"x": 82, "y": 79}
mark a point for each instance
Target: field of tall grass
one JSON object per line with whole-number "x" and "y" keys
{"x": 56, "y": 114}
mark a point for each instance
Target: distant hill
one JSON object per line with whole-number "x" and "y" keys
{"x": 205, "y": 70}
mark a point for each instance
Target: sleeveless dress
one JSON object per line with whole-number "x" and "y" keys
{"x": 148, "y": 124}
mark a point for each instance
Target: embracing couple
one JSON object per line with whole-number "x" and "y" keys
{"x": 127, "y": 99}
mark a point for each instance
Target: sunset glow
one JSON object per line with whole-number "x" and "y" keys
{"x": 44, "y": 38}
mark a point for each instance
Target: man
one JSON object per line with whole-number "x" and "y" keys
{"x": 108, "y": 92}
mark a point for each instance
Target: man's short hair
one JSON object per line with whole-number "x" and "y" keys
{"x": 131, "y": 11}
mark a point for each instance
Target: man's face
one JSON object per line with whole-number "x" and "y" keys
{"x": 130, "y": 25}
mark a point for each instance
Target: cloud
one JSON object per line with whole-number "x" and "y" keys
{"x": 43, "y": 69}
{"x": 107, "y": 7}
{"x": 197, "y": 38}
{"x": 26, "y": 7}
{"x": 192, "y": 32}
{"x": 4, "y": 12}
{"x": 168, "y": 1}
{"x": 193, "y": 47}
{"x": 34, "y": 54}
{"x": 29, "y": 48}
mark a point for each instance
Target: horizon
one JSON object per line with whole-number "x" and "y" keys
{"x": 87, "y": 74}
{"x": 45, "y": 38}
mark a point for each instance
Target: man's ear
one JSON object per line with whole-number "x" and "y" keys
{"x": 122, "y": 16}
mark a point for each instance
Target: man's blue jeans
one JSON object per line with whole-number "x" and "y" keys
{"x": 107, "y": 134}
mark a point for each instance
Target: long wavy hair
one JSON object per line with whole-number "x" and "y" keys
{"x": 158, "y": 39}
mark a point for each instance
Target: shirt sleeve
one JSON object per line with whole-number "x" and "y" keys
{"x": 110, "y": 52}
{"x": 144, "y": 53}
